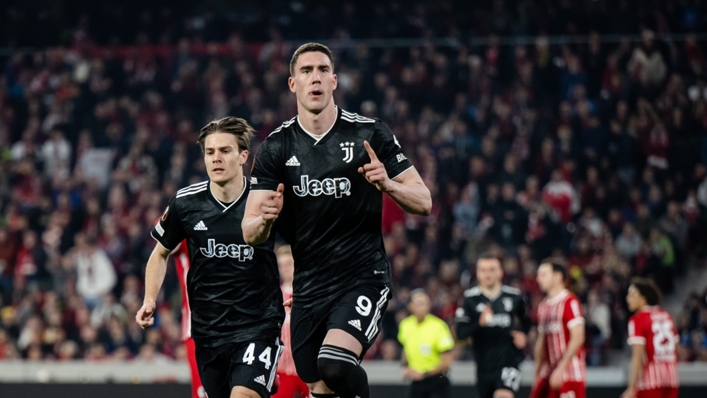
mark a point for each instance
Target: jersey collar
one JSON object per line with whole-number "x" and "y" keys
{"x": 220, "y": 204}
{"x": 325, "y": 137}
{"x": 559, "y": 297}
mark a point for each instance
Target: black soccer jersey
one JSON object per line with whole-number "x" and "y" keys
{"x": 493, "y": 343}
{"x": 331, "y": 215}
{"x": 234, "y": 289}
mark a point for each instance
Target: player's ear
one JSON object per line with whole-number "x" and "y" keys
{"x": 291, "y": 83}
{"x": 244, "y": 156}
{"x": 336, "y": 81}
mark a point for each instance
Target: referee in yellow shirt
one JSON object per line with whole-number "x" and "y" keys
{"x": 427, "y": 349}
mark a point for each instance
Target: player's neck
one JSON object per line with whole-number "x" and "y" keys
{"x": 492, "y": 291}
{"x": 552, "y": 293}
{"x": 229, "y": 191}
{"x": 317, "y": 123}
{"x": 420, "y": 319}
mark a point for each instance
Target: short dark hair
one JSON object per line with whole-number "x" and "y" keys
{"x": 648, "y": 289}
{"x": 487, "y": 256}
{"x": 308, "y": 48}
{"x": 558, "y": 266}
{"x": 230, "y": 125}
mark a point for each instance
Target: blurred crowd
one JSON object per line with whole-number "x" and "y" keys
{"x": 595, "y": 152}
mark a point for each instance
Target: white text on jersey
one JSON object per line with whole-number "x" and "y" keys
{"x": 329, "y": 186}
{"x": 239, "y": 252}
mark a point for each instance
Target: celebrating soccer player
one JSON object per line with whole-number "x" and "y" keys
{"x": 233, "y": 287}
{"x": 323, "y": 173}
{"x": 490, "y": 315}
{"x": 653, "y": 338}
{"x": 560, "y": 367}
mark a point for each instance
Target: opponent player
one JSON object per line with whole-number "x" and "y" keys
{"x": 560, "y": 367}
{"x": 329, "y": 167}
{"x": 291, "y": 386}
{"x": 653, "y": 338}
{"x": 181, "y": 260}
{"x": 233, "y": 288}
{"x": 491, "y": 315}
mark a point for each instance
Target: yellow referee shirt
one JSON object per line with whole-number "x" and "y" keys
{"x": 424, "y": 342}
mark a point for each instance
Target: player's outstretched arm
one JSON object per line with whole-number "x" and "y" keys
{"x": 261, "y": 211}
{"x": 638, "y": 351}
{"x": 407, "y": 190}
{"x": 154, "y": 276}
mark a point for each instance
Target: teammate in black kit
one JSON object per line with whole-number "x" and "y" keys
{"x": 495, "y": 317}
{"x": 321, "y": 175}
{"x": 233, "y": 287}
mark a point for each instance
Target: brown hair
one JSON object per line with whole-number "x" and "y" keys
{"x": 308, "y": 48}
{"x": 558, "y": 266}
{"x": 648, "y": 289}
{"x": 230, "y": 125}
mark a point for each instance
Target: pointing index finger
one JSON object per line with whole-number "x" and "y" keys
{"x": 370, "y": 151}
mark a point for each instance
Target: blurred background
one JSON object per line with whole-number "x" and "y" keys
{"x": 542, "y": 127}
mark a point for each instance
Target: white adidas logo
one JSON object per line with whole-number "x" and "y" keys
{"x": 355, "y": 323}
{"x": 200, "y": 226}
{"x": 292, "y": 161}
{"x": 260, "y": 380}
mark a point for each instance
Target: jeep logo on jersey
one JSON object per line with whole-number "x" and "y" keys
{"x": 220, "y": 250}
{"x": 328, "y": 186}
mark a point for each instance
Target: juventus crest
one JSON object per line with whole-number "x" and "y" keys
{"x": 507, "y": 304}
{"x": 347, "y": 147}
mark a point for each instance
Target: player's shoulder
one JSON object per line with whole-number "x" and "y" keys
{"x": 194, "y": 191}
{"x": 512, "y": 291}
{"x": 284, "y": 128}
{"x": 355, "y": 118}
{"x": 473, "y": 292}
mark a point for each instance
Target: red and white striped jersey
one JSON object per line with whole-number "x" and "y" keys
{"x": 654, "y": 328}
{"x": 181, "y": 259}
{"x": 286, "y": 365}
{"x": 555, "y": 318}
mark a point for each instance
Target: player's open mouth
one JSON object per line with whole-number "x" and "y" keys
{"x": 218, "y": 170}
{"x": 315, "y": 93}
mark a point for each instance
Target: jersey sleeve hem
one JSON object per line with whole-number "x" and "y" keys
{"x": 576, "y": 321}
{"x": 171, "y": 249}
{"x": 401, "y": 173}
{"x": 636, "y": 340}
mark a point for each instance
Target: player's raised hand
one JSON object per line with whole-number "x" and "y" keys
{"x": 485, "y": 315}
{"x": 144, "y": 316}
{"x": 272, "y": 206}
{"x": 374, "y": 172}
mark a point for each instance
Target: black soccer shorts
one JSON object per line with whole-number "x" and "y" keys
{"x": 358, "y": 312}
{"x": 507, "y": 378}
{"x": 252, "y": 365}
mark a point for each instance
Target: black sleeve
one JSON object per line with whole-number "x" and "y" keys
{"x": 169, "y": 230}
{"x": 266, "y": 175}
{"x": 523, "y": 314}
{"x": 388, "y": 150}
{"x": 467, "y": 320}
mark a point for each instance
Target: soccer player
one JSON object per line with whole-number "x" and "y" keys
{"x": 291, "y": 386}
{"x": 560, "y": 367}
{"x": 322, "y": 174}
{"x": 181, "y": 260}
{"x": 233, "y": 287}
{"x": 495, "y": 316}
{"x": 653, "y": 338}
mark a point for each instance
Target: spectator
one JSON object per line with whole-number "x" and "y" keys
{"x": 95, "y": 273}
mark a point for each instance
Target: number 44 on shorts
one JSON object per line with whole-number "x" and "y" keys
{"x": 264, "y": 357}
